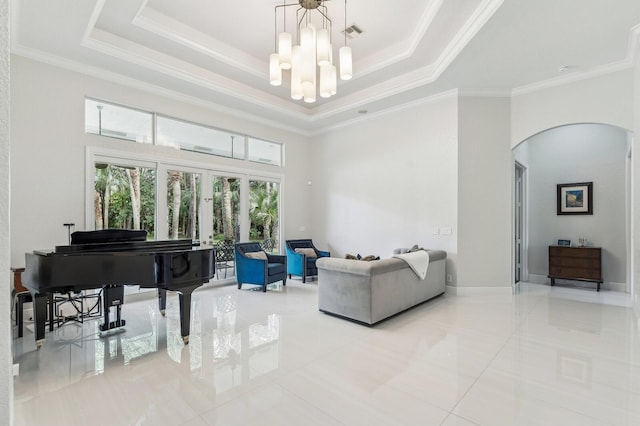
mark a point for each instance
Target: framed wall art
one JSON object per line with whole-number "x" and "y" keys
{"x": 575, "y": 198}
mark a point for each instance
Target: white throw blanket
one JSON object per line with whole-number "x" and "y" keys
{"x": 417, "y": 260}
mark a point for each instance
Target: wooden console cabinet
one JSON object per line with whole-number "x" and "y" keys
{"x": 575, "y": 263}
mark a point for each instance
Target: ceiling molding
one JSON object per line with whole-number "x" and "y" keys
{"x": 115, "y": 46}
{"x": 147, "y": 18}
{"x": 631, "y": 58}
{"x": 471, "y": 27}
{"x": 116, "y": 78}
{"x": 168, "y": 28}
{"x": 388, "y": 56}
{"x": 484, "y": 93}
{"x": 571, "y": 78}
{"x": 396, "y": 108}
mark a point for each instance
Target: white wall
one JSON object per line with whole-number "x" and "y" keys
{"x": 608, "y": 99}
{"x": 387, "y": 182}
{"x": 49, "y": 143}
{"x": 578, "y": 153}
{"x": 6, "y": 285}
{"x": 484, "y": 193}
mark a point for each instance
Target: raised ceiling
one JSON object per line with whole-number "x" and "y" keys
{"x": 217, "y": 51}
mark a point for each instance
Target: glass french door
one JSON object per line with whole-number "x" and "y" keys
{"x": 179, "y": 201}
{"x": 264, "y": 213}
{"x": 223, "y": 206}
{"x": 183, "y": 204}
{"x": 124, "y": 195}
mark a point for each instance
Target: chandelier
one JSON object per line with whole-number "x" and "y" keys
{"x": 310, "y": 59}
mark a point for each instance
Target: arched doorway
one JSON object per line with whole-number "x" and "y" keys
{"x": 582, "y": 152}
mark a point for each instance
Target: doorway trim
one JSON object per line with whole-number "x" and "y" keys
{"x": 520, "y": 225}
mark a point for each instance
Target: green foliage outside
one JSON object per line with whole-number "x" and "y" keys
{"x": 114, "y": 203}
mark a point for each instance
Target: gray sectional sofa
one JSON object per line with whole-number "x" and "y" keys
{"x": 369, "y": 292}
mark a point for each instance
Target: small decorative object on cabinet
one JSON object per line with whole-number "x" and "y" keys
{"x": 575, "y": 263}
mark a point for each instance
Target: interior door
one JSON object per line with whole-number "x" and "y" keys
{"x": 518, "y": 221}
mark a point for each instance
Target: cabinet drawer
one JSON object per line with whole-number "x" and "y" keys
{"x": 575, "y": 262}
{"x": 575, "y": 273}
{"x": 581, "y": 252}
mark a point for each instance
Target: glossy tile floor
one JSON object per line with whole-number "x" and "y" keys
{"x": 543, "y": 356}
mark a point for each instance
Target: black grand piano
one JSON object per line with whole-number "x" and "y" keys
{"x": 110, "y": 259}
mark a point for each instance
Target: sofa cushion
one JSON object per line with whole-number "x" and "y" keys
{"x": 275, "y": 269}
{"x": 257, "y": 255}
{"x": 309, "y": 252}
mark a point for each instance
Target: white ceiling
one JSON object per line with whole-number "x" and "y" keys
{"x": 217, "y": 52}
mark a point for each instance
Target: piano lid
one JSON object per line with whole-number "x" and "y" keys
{"x": 158, "y": 246}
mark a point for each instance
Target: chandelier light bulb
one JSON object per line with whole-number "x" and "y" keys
{"x": 309, "y": 93}
{"x": 333, "y": 80}
{"x": 323, "y": 47}
{"x": 325, "y": 81}
{"x": 308, "y": 55}
{"x": 275, "y": 72}
{"x": 346, "y": 66}
{"x": 296, "y": 83}
{"x": 284, "y": 50}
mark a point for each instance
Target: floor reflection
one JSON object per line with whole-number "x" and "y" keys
{"x": 540, "y": 356}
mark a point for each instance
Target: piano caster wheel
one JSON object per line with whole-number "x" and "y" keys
{"x": 185, "y": 339}
{"x": 39, "y": 343}
{"x": 162, "y": 312}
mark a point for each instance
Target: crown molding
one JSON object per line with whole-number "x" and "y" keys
{"x": 477, "y": 20}
{"x": 168, "y": 28}
{"x": 449, "y": 94}
{"x": 158, "y": 23}
{"x": 631, "y": 58}
{"x": 117, "y": 47}
{"x": 400, "y": 51}
{"x": 484, "y": 93}
{"x": 116, "y": 78}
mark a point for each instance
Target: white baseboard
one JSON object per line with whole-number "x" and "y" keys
{"x": 607, "y": 285}
{"x": 537, "y": 279}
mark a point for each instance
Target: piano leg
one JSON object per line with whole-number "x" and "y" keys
{"x": 162, "y": 300}
{"x": 185, "y": 311}
{"x": 39, "y": 316}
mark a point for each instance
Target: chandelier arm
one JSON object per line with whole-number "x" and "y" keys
{"x": 324, "y": 14}
{"x": 345, "y": 22}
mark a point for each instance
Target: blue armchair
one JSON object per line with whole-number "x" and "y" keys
{"x": 255, "y": 266}
{"x": 298, "y": 262}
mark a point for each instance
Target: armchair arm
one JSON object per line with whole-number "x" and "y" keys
{"x": 277, "y": 258}
{"x": 250, "y": 270}
{"x": 295, "y": 262}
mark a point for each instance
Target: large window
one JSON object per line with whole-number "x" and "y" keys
{"x": 116, "y": 121}
{"x": 265, "y": 152}
{"x": 195, "y": 137}
{"x": 105, "y": 119}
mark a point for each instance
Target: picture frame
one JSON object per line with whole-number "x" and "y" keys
{"x": 564, "y": 243}
{"x": 575, "y": 198}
